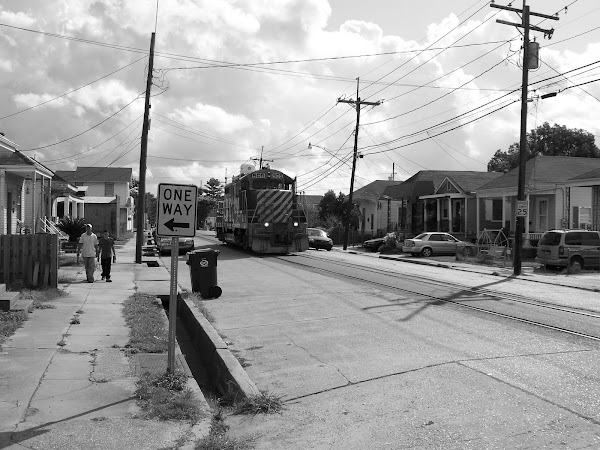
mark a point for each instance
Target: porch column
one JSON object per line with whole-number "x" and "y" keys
{"x": 477, "y": 216}
{"x": 526, "y": 242}
{"x": 3, "y": 202}
{"x": 49, "y": 198}
{"x": 466, "y": 214}
{"x": 450, "y": 221}
{"x": 503, "y": 210}
{"x": 33, "y": 217}
{"x": 425, "y": 215}
{"x": 437, "y": 205}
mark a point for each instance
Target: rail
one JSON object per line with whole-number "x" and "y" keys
{"x": 50, "y": 227}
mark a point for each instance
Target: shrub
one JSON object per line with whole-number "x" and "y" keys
{"x": 73, "y": 226}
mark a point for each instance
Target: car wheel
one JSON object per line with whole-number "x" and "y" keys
{"x": 329, "y": 249}
{"x": 576, "y": 265}
{"x": 426, "y": 252}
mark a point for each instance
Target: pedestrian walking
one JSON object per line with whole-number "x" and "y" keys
{"x": 88, "y": 247}
{"x": 106, "y": 254}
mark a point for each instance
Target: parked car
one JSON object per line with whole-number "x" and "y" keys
{"x": 318, "y": 238}
{"x": 435, "y": 243}
{"x": 373, "y": 244}
{"x": 185, "y": 245}
{"x": 569, "y": 248}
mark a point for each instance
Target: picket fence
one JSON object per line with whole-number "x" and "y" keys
{"x": 30, "y": 260}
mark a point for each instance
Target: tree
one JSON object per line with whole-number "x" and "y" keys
{"x": 151, "y": 202}
{"x": 213, "y": 189}
{"x": 556, "y": 140}
{"x": 334, "y": 210}
{"x": 205, "y": 206}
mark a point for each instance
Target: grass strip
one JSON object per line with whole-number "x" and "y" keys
{"x": 145, "y": 317}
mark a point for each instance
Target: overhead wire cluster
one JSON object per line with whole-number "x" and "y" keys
{"x": 294, "y": 145}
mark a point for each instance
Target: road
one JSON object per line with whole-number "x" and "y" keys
{"x": 370, "y": 353}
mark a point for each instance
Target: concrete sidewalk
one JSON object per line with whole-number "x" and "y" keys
{"x": 69, "y": 385}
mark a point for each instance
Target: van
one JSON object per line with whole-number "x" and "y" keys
{"x": 576, "y": 249}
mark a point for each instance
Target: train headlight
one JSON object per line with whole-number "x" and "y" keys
{"x": 266, "y": 224}
{"x": 295, "y": 224}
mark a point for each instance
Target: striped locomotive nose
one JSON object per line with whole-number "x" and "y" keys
{"x": 276, "y": 206}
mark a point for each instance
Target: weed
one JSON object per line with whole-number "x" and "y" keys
{"x": 265, "y": 402}
{"x": 75, "y": 320}
{"x": 146, "y": 320}
{"x": 217, "y": 438}
{"x": 165, "y": 397}
{"x": 64, "y": 279}
{"x": 243, "y": 361}
{"x": 80, "y": 311}
{"x": 42, "y": 298}
{"x": 9, "y": 323}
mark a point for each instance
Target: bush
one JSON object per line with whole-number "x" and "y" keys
{"x": 73, "y": 226}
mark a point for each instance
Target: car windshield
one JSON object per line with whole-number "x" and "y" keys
{"x": 550, "y": 238}
{"x": 316, "y": 232}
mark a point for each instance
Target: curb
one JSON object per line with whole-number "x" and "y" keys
{"x": 225, "y": 371}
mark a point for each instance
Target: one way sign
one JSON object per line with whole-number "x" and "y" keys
{"x": 176, "y": 215}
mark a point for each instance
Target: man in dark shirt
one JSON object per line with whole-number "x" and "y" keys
{"x": 106, "y": 254}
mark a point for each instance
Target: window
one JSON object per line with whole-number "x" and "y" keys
{"x": 542, "y": 215}
{"x": 109, "y": 189}
{"x": 436, "y": 237}
{"x": 493, "y": 209}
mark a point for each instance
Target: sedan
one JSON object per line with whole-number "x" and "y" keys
{"x": 185, "y": 245}
{"x": 318, "y": 238}
{"x": 428, "y": 244}
{"x": 373, "y": 244}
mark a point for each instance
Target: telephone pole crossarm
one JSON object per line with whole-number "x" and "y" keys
{"x": 519, "y": 11}
{"x": 546, "y": 32}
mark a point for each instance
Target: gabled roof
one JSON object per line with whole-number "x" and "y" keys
{"x": 588, "y": 175}
{"x": 425, "y": 182}
{"x": 374, "y": 190}
{"x": 96, "y": 174}
{"x": 11, "y": 157}
{"x": 546, "y": 170}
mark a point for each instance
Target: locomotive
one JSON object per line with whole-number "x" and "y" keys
{"x": 260, "y": 212}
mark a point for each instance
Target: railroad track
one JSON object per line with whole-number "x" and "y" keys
{"x": 583, "y": 323}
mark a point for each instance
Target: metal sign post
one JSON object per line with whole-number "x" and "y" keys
{"x": 173, "y": 305}
{"x": 176, "y": 217}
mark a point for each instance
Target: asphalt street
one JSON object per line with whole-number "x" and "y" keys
{"x": 361, "y": 366}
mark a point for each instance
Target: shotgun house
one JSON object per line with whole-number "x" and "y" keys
{"x": 452, "y": 208}
{"x": 25, "y": 191}
{"x": 561, "y": 191}
{"x": 377, "y": 215}
{"x": 105, "y": 191}
{"x": 436, "y": 200}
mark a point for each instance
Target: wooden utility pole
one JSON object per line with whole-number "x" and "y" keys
{"x": 358, "y": 103}
{"x": 141, "y": 204}
{"x": 520, "y": 222}
{"x": 260, "y": 164}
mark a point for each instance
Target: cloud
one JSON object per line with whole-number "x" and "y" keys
{"x": 19, "y": 19}
{"x": 213, "y": 117}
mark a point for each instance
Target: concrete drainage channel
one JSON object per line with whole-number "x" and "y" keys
{"x": 210, "y": 361}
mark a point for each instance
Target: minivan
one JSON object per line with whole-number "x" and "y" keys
{"x": 576, "y": 249}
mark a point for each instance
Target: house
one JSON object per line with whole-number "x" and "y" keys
{"x": 25, "y": 191}
{"x": 561, "y": 191}
{"x": 105, "y": 191}
{"x": 438, "y": 200}
{"x": 452, "y": 207}
{"x": 376, "y": 216}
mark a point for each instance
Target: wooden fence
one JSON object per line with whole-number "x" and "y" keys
{"x": 30, "y": 259}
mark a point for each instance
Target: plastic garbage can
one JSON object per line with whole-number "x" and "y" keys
{"x": 203, "y": 272}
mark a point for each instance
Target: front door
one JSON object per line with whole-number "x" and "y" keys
{"x": 456, "y": 215}
{"x": 9, "y": 213}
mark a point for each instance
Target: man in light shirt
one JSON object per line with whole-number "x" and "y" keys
{"x": 88, "y": 246}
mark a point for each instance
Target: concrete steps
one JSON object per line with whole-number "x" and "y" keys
{"x": 9, "y": 301}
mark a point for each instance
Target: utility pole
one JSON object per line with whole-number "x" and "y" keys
{"x": 141, "y": 206}
{"x": 521, "y": 199}
{"x": 358, "y": 103}
{"x": 260, "y": 164}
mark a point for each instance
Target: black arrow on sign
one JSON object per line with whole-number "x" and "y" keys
{"x": 172, "y": 224}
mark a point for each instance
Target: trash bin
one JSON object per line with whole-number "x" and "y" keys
{"x": 203, "y": 272}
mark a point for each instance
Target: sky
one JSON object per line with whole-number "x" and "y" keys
{"x": 237, "y": 80}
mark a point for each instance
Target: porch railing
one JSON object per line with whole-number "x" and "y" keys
{"x": 50, "y": 227}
